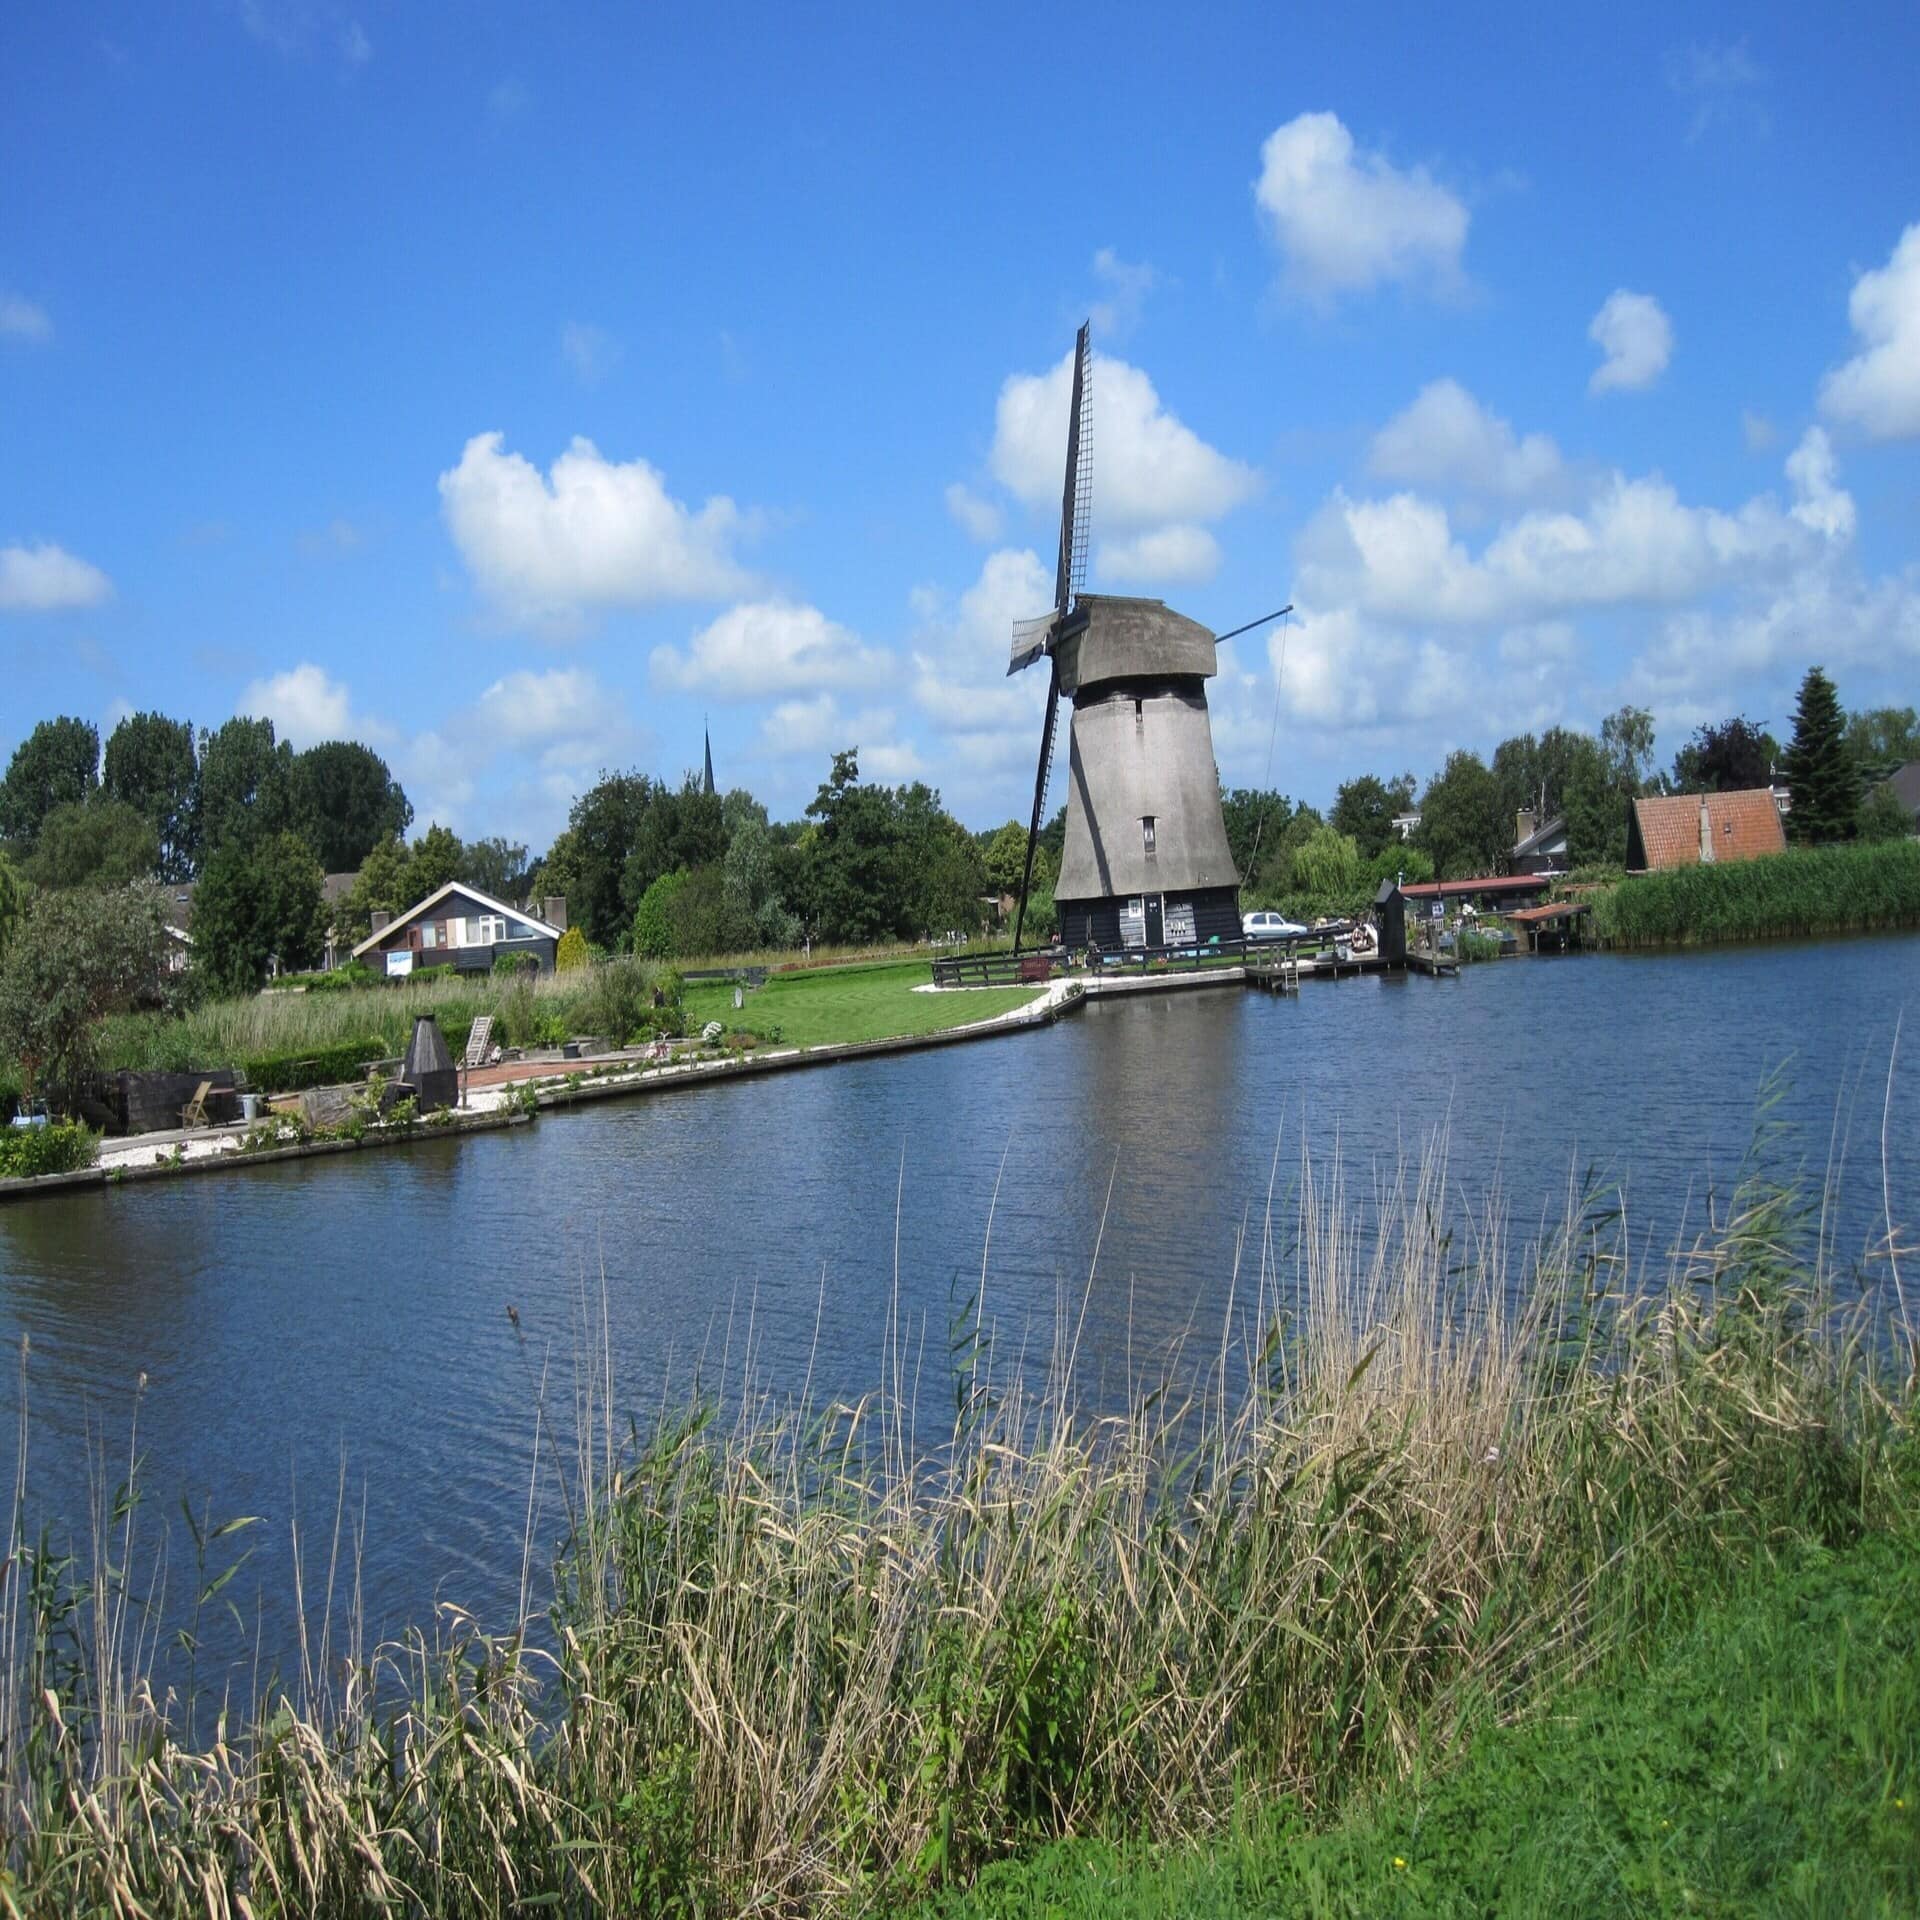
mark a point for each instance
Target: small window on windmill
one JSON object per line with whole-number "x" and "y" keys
{"x": 1146, "y": 833}
{"x": 1139, "y": 716}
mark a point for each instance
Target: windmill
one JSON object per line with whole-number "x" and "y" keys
{"x": 1145, "y": 861}
{"x": 1046, "y": 635}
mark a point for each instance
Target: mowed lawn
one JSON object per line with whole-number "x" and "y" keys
{"x": 841, "y": 1004}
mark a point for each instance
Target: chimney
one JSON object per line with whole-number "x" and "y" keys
{"x": 1706, "y": 833}
{"x": 553, "y": 910}
{"x": 381, "y": 920}
{"x": 1523, "y": 825}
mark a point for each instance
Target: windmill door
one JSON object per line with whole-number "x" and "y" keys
{"x": 1155, "y": 927}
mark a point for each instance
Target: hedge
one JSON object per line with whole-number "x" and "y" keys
{"x": 63, "y": 1148}
{"x": 313, "y": 1067}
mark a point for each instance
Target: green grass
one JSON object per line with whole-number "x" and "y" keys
{"x": 834, "y": 1006}
{"x": 1808, "y": 890}
{"x": 1765, "y": 1760}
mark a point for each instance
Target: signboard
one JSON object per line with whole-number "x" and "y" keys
{"x": 400, "y": 964}
{"x": 1438, "y": 911}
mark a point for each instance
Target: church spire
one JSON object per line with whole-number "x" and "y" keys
{"x": 706, "y": 785}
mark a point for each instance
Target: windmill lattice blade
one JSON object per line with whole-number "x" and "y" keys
{"x": 1072, "y": 534}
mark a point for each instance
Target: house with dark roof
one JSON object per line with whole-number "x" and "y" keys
{"x": 462, "y": 927}
{"x": 1697, "y": 829}
{"x": 1539, "y": 846}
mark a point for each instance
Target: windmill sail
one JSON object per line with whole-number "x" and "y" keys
{"x": 1032, "y": 638}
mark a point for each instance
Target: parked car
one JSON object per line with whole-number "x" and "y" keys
{"x": 1270, "y": 926}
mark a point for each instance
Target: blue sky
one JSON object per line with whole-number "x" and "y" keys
{"x": 513, "y": 387}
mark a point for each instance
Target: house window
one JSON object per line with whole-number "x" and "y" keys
{"x": 487, "y": 930}
{"x": 429, "y": 934}
{"x": 456, "y": 933}
{"x": 1146, "y": 833}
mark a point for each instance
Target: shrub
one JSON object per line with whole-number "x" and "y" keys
{"x": 571, "y": 954}
{"x": 655, "y": 928}
{"x": 27, "y": 1152}
{"x": 513, "y": 966}
{"x": 619, "y": 999}
{"x": 325, "y": 1066}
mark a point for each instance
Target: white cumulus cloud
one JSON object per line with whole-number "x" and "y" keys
{"x": 1635, "y": 337}
{"x": 1448, "y": 441}
{"x": 1636, "y": 541}
{"x": 1346, "y": 220}
{"x": 593, "y": 533}
{"x": 765, "y": 647}
{"x": 1149, "y": 468}
{"x": 1878, "y": 390}
{"x": 1171, "y": 554}
{"x": 525, "y": 707}
{"x": 306, "y": 705}
{"x": 43, "y": 578}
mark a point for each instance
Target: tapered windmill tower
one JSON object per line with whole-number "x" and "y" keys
{"x": 1146, "y": 861}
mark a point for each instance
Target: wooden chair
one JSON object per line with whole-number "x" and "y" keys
{"x": 194, "y": 1113}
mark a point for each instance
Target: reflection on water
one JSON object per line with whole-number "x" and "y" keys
{"x": 292, "y": 1319}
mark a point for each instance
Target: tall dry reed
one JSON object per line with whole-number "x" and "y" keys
{"x": 796, "y": 1664}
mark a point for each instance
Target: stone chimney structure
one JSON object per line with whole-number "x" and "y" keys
{"x": 380, "y": 921}
{"x": 553, "y": 910}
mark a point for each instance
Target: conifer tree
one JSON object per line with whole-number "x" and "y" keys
{"x": 1820, "y": 776}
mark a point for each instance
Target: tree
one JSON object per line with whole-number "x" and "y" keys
{"x": 1327, "y": 866}
{"x": 56, "y": 765}
{"x": 674, "y": 833}
{"x": 380, "y": 885}
{"x": 437, "y": 858}
{"x": 1255, "y": 821}
{"x": 151, "y": 765}
{"x": 601, "y": 831}
{"x": 1463, "y": 824}
{"x": 1883, "y": 815}
{"x": 246, "y": 784}
{"x": 13, "y": 900}
{"x": 345, "y": 801}
{"x": 853, "y": 880}
{"x": 75, "y": 958}
{"x": 1730, "y": 758}
{"x": 1883, "y": 739}
{"x": 1568, "y": 773}
{"x": 570, "y": 953}
{"x": 941, "y": 872}
{"x": 1820, "y": 775}
{"x": 497, "y": 867}
{"x": 258, "y": 902}
{"x": 1626, "y": 738}
{"x": 95, "y": 843}
{"x": 1364, "y": 809}
{"x": 751, "y": 874}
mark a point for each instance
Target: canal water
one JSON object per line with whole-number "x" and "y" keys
{"x": 264, "y": 1337}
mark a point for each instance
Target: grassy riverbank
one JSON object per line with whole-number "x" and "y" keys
{"x": 798, "y": 1667}
{"x": 1762, "y": 1758}
{"x": 1810, "y": 890}
{"x": 811, "y": 1007}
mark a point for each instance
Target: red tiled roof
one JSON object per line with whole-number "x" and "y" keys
{"x": 1488, "y": 883}
{"x": 1743, "y": 825}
